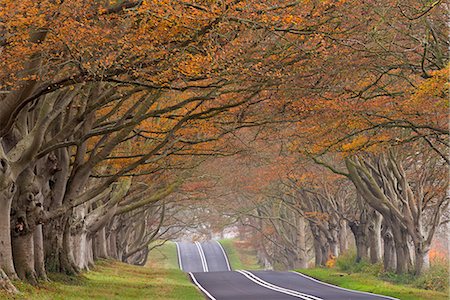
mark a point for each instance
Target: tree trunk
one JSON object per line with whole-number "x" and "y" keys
{"x": 422, "y": 260}
{"x": 317, "y": 253}
{"x": 90, "y": 252}
{"x": 343, "y": 237}
{"x": 57, "y": 247}
{"x": 79, "y": 249}
{"x": 39, "y": 260}
{"x": 23, "y": 255}
{"x": 100, "y": 250}
{"x": 389, "y": 258}
{"x": 362, "y": 247}
{"x": 401, "y": 249}
{"x": 321, "y": 245}
{"x": 67, "y": 263}
{"x": 302, "y": 260}
{"x": 374, "y": 230}
{"x": 334, "y": 245}
{"x": 53, "y": 235}
{"x": 6, "y": 257}
{"x": 112, "y": 245}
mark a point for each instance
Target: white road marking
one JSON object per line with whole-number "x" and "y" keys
{"x": 179, "y": 256}
{"x": 276, "y": 288}
{"x": 202, "y": 257}
{"x": 224, "y": 255}
{"x": 341, "y": 288}
{"x": 200, "y": 287}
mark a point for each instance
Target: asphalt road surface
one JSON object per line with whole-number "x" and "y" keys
{"x": 215, "y": 256}
{"x": 189, "y": 257}
{"x": 202, "y": 257}
{"x": 209, "y": 269}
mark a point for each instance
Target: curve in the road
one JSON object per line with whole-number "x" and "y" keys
{"x": 271, "y": 286}
{"x": 341, "y": 288}
{"x": 234, "y": 285}
{"x": 202, "y": 257}
{"x": 209, "y": 269}
{"x": 304, "y": 284}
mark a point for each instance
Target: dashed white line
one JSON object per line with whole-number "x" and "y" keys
{"x": 276, "y": 288}
{"x": 341, "y": 288}
{"x": 202, "y": 257}
{"x": 224, "y": 255}
{"x": 200, "y": 287}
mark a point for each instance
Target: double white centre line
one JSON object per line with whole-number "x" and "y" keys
{"x": 276, "y": 288}
{"x": 202, "y": 257}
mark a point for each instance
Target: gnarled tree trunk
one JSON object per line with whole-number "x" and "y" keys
{"x": 362, "y": 245}
{"x": 39, "y": 260}
{"x": 374, "y": 231}
{"x": 23, "y": 253}
{"x": 389, "y": 256}
{"x": 7, "y": 190}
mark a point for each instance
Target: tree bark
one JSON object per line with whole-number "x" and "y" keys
{"x": 318, "y": 260}
{"x": 23, "y": 254}
{"x": 422, "y": 260}
{"x": 302, "y": 260}
{"x": 67, "y": 263}
{"x": 362, "y": 247}
{"x": 112, "y": 245}
{"x": 80, "y": 248}
{"x": 7, "y": 190}
{"x": 343, "y": 236}
{"x": 39, "y": 260}
{"x": 5, "y": 283}
{"x": 100, "y": 247}
{"x": 53, "y": 235}
{"x": 401, "y": 249}
{"x": 389, "y": 256}
{"x": 374, "y": 230}
{"x": 6, "y": 257}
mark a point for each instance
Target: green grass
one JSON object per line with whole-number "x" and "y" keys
{"x": 436, "y": 278}
{"x": 159, "y": 280}
{"x": 370, "y": 283}
{"x": 164, "y": 256}
{"x": 240, "y": 255}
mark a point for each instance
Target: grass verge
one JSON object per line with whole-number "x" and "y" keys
{"x": 159, "y": 280}
{"x": 163, "y": 257}
{"x": 240, "y": 254}
{"x": 370, "y": 283}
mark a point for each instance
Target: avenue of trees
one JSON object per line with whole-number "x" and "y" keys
{"x": 331, "y": 117}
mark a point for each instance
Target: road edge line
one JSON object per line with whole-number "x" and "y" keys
{"x": 180, "y": 263}
{"x": 342, "y": 288}
{"x": 225, "y": 255}
{"x": 201, "y": 287}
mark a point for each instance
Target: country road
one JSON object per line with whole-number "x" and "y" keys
{"x": 209, "y": 269}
